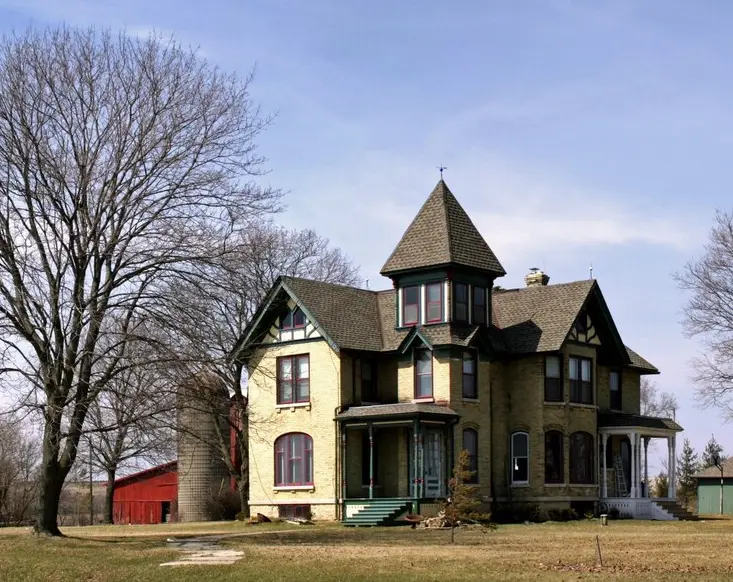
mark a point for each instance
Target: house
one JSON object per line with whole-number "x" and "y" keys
{"x": 146, "y": 497}
{"x": 714, "y": 488}
{"x": 361, "y": 400}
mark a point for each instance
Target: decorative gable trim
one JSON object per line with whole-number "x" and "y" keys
{"x": 255, "y": 334}
{"x": 583, "y": 330}
{"x": 414, "y": 334}
{"x": 617, "y": 345}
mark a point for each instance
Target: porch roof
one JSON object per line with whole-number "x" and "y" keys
{"x": 400, "y": 410}
{"x": 626, "y": 420}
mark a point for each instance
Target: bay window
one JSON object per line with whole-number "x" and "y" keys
{"x": 410, "y": 305}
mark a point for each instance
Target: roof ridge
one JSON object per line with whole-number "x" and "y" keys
{"x": 330, "y": 283}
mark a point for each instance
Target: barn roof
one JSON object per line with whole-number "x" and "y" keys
{"x": 147, "y": 473}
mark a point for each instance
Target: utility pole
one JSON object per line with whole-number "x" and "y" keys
{"x": 719, "y": 465}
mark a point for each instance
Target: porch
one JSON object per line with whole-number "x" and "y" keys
{"x": 394, "y": 458}
{"x": 624, "y": 442}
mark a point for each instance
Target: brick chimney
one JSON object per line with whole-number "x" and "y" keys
{"x": 536, "y": 278}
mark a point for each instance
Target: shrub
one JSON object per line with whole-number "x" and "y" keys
{"x": 225, "y": 506}
{"x": 614, "y": 513}
{"x": 569, "y": 514}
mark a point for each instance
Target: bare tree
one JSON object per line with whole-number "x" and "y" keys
{"x": 708, "y": 315}
{"x": 656, "y": 403}
{"x": 19, "y": 462}
{"x": 211, "y": 317}
{"x": 130, "y": 425}
{"x": 121, "y": 160}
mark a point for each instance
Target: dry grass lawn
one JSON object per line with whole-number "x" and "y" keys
{"x": 631, "y": 550}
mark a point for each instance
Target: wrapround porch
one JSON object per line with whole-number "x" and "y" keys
{"x": 394, "y": 459}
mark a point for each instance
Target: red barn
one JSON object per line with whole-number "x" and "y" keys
{"x": 149, "y": 496}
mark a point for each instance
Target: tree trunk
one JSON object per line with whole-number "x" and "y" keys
{"x": 52, "y": 480}
{"x": 243, "y": 487}
{"x": 109, "y": 496}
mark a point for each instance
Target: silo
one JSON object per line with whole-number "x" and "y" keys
{"x": 202, "y": 473}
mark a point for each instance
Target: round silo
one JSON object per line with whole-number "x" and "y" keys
{"x": 202, "y": 473}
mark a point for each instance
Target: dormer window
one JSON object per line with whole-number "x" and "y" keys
{"x": 461, "y": 302}
{"x": 295, "y": 319}
{"x": 434, "y": 302}
{"x": 410, "y": 305}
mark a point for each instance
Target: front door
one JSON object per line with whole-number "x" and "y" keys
{"x": 433, "y": 460}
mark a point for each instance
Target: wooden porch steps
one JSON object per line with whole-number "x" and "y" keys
{"x": 675, "y": 509}
{"x": 378, "y": 512}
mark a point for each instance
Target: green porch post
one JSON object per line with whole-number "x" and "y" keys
{"x": 371, "y": 461}
{"x": 343, "y": 462}
{"x": 415, "y": 433}
{"x": 421, "y": 461}
{"x": 450, "y": 454}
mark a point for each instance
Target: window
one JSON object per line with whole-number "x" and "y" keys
{"x": 470, "y": 388}
{"x": 581, "y": 458}
{"x": 614, "y": 381}
{"x": 365, "y": 459}
{"x": 479, "y": 305}
{"x": 434, "y": 302}
{"x": 293, "y": 460}
{"x": 461, "y": 302}
{"x": 520, "y": 458}
{"x": 470, "y": 444}
{"x": 553, "y": 379}
{"x": 293, "y": 379}
{"x": 368, "y": 381}
{"x": 294, "y": 511}
{"x": 554, "y": 463}
{"x": 423, "y": 374}
{"x": 581, "y": 384}
{"x": 410, "y": 305}
{"x": 294, "y": 319}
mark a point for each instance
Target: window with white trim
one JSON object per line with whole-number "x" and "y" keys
{"x": 520, "y": 458}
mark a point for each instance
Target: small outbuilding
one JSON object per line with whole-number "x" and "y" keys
{"x": 709, "y": 489}
{"x": 149, "y": 496}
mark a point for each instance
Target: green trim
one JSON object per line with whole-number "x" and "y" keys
{"x": 415, "y": 332}
{"x": 427, "y": 275}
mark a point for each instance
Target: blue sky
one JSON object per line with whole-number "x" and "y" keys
{"x": 575, "y": 133}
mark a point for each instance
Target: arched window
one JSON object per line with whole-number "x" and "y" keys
{"x": 293, "y": 460}
{"x": 581, "y": 458}
{"x": 520, "y": 458}
{"x": 554, "y": 462}
{"x": 470, "y": 444}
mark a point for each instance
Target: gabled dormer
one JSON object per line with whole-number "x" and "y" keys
{"x": 442, "y": 268}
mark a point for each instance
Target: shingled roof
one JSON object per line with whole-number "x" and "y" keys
{"x": 640, "y": 363}
{"x": 715, "y": 472}
{"x": 538, "y": 319}
{"x": 441, "y": 234}
{"x": 350, "y": 316}
{"x": 618, "y": 419}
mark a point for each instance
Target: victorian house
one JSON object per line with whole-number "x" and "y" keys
{"x": 361, "y": 400}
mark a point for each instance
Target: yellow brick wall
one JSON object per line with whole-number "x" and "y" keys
{"x": 630, "y": 391}
{"x": 267, "y": 422}
{"x": 518, "y": 401}
{"x": 474, "y": 414}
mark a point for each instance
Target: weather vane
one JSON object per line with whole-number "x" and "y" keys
{"x": 440, "y": 169}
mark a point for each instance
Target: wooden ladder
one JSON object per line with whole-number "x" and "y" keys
{"x": 621, "y": 489}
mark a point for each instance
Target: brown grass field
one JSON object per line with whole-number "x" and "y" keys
{"x": 631, "y": 550}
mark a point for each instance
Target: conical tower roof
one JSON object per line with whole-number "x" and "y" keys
{"x": 442, "y": 234}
